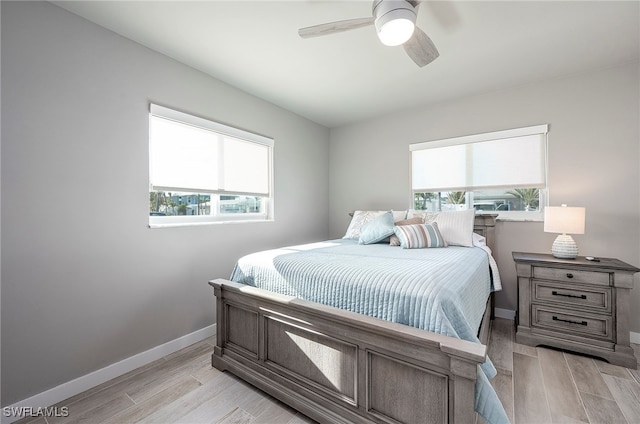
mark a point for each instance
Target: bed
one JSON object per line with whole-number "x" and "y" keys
{"x": 369, "y": 332}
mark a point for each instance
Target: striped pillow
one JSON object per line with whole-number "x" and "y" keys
{"x": 393, "y": 240}
{"x": 419, "y": 236}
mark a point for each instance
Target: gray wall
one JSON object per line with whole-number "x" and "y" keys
{"x": 85, "y": 283}
{"x": 594, "y": 158}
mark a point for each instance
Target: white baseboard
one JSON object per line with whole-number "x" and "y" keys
{"x": 86, "y": 382}
{"x": 504, "y": 313}
{"x": 635, "y": 337}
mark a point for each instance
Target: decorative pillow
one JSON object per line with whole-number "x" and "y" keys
{"x": 362, "y": 217}
{"x": 359, "y": 219}
{"x": 427, "y": 216}
{"x": 377, "y": 229}
{"x": 393, "y": 241}
{"x": 457, "y": 227}
{"x": 479, "y": 240}
{"x": 418, "y": 236}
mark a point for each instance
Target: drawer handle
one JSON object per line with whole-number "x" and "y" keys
{"x": 555, "y": 293}
{"x": 555, "y": 318}
{"x": 569, "y": 275}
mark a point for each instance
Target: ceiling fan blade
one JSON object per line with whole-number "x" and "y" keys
{"x": 333, "y": 27}
{"x": 420, "y": 48}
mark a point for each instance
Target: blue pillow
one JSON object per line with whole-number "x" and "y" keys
{"x": 377, "y": 229}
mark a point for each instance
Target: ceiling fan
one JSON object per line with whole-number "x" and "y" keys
{"x": 394, "y": 21}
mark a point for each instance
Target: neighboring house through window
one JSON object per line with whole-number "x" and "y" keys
{"x": 502, "y": 172}
{"x": 201, "y": 171}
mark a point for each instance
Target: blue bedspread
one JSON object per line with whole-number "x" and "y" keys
{"x": 440, "y": 290}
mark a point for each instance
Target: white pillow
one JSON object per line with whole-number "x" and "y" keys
{"x": 427, "y": 216}
{"x": 479, "y": 240}
{"x": 457, "y": 227}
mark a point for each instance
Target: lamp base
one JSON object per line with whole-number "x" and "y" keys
{"x": 564, "y": 247}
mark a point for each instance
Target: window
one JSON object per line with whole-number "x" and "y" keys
{"x": 201, "y": 171}
{"x": 502, "y": 172}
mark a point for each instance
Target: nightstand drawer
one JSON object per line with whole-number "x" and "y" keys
{"x": 597, "y": 299}
{"x": 571, "y": 275}
{"x": 572, "y": 322}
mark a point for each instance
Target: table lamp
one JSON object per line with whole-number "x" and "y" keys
{"x": 564, "y": 220}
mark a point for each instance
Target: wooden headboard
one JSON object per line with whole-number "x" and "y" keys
{"x": 484, "y": 225}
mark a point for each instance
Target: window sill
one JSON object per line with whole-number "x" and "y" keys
{"x": 507, "y": 219}
{"x": 205, "y": 223}
{"x": 515, "y": 216}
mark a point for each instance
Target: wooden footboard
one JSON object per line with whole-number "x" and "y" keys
{"x": 337, "y": 366}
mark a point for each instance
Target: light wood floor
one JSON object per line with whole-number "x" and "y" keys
{"x": 539, "y": 385}
{"x": 536, "y": 385}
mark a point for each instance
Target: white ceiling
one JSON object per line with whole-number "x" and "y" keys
{"x": 350, "y": 76}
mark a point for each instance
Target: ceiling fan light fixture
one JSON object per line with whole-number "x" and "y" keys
{"x": 395, "y": 24}
{"x": 394, "y": 21}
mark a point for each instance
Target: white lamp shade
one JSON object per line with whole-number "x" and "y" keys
{"x": 394, "y": 21}
{"x": 396, "y": 32}
{"x": 564, "y": 219}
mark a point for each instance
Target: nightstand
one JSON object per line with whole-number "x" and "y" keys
{"x": 576, "y": 305}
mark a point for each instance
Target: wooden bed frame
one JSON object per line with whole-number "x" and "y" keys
{"x": 337, "y": 366}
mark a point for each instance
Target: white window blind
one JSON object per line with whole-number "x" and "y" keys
{"x": 192, "y": 154}
{"x": 252, "y": 176}
{"x": 511, "y": 158}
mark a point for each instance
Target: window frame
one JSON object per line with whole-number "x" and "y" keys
{"x": 225, "y": 133}
{"x": 541, "y": 130}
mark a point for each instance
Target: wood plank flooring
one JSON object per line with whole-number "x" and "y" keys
{"x": 536, "y": 385}
{"x": 540, "y": 385}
